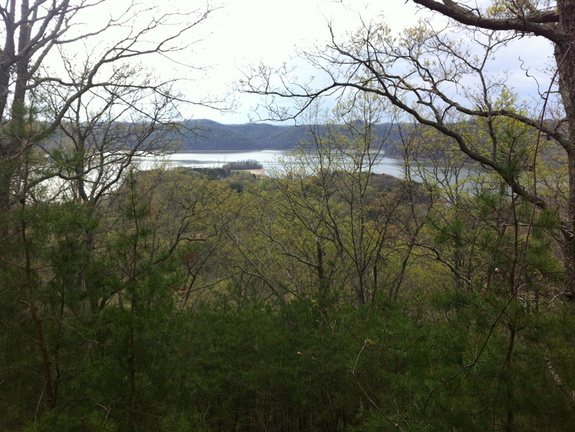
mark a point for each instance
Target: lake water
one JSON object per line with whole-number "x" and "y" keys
{"x": 269, "y": 159}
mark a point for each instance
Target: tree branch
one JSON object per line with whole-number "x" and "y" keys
{"x": 539, "y": 23}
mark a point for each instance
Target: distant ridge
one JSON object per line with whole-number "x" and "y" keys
{"x": 208, "y": 135}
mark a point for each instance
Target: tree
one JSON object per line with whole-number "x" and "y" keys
{"x": 330, "y": 228}
{"x": 442, "y": 79}
{"x": 73, "y": 106}
{"x": 40, "y": 35}
{"x": 504, "y": 236}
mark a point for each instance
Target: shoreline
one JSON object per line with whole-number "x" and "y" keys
{"x": 227, "y": 151}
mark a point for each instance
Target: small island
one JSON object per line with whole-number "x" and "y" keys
{"x": 251, "y": 165}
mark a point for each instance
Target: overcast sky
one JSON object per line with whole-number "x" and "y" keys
{"x": 246, "y": 32}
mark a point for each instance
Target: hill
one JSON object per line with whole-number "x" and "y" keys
{"x": 208, "y": 135}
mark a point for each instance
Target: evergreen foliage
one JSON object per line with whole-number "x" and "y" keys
{"x": 322, "y": 298}
{"x": 205, "y": 317}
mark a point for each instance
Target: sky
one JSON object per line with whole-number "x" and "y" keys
{"x": 247, "y": 32}
{"x": 243, "y": 33}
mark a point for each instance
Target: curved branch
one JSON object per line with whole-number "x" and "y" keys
{"x": 539, "y": 23}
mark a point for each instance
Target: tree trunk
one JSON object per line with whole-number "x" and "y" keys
{"x": 565, "y": 59}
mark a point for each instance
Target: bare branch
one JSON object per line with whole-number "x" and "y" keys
{"x": 539, "y": 23}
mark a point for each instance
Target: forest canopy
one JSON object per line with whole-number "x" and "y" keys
{"x": 324, "y": 297}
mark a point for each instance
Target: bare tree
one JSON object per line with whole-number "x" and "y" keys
{"x": 52, "y": 33}
{"x": 444, "y": 79}
{"x": 72, "y": 86}
{"x": 104, "y": 130}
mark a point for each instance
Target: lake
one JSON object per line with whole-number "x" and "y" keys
{"x": 268, "y": 158}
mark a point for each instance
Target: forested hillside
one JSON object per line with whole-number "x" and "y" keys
{"x": 207, "y": 135}
{"x": 322, "y": 298}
